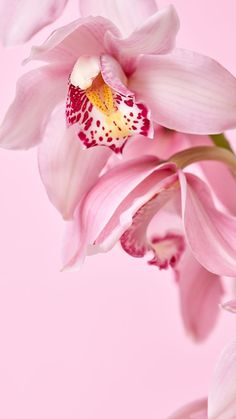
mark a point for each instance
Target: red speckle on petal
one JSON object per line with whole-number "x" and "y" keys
{"x": 129, "y": 102}
{"x": 82, "y": 136}
{"x": 86, "y": 115}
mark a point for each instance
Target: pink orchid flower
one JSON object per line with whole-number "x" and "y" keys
{"x": 38, "y": 111}
{"x": 107, "y": 102}
{"x": 165, "y": 214}
{"x": 221, "y": 403}
{"x": 127, "y": 198}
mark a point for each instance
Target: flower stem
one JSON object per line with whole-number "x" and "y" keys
{"x": 220, "y": 140}
{"x": 202, "y": 153}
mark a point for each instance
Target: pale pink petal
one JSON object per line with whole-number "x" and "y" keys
{"x": 113, "y": 75}
{"x": 107, "y": 210}
{"x": 67, "y": 170}
{"x": 67, "y": 44}
{"x": 218, "y": 175}
{"x": 210, "y": 233}
{"x": 126, "y": 15}
{"x": 229, "y": 306}
{"x": 37, "y": 94}
{"x": 186, "y": 92}
{"x": 194, "y": 410}
{"x": 200, "y": 292}
{"x": 21, "y": 19}
{"x": 155, "y": 36}
{"x": 222, "y": 397}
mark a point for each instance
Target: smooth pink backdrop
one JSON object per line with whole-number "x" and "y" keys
{"x": 106, "y": 342}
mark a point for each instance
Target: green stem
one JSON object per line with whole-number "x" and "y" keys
{"x": 219, "y": 140}
{"x": 203, "y": 153}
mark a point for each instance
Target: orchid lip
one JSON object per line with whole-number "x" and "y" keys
{"x": 103, "y": 114}
{"x": 167, "y": 250}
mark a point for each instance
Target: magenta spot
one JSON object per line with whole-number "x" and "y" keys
{"x": 98, "y": 123}
{"x": 131, "y": 114}
{"x": 88, "y": 124}
{"x": 72, "y": 120}
{"x": 82, "y": 136}
{"x": 129, "y": 103}
{"x": 109, "y": 140}
{"x": 86, "y": 115}
{"x": 100, "y": 138}
{"x": 143, "y": 109}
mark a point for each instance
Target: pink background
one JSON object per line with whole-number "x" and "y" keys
{"x": 106, "y": 342}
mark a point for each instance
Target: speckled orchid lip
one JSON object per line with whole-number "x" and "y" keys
{"x": 165, "y": 249}
{"x": 103, "y": 109}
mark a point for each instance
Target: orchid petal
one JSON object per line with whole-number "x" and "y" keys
{"x": 194, "y": 410}
{"x": 81, "y": 37}
{"x": 218, "y": 175}
{"x": 186, "y": 92}
{"x": 209, "y": 232}
{"x": 99, "y": 217}
{"x": 21, "y": 19}
{"x": 155, "y": 36}
{"x": 200, "y": 293}
{"x": 67, "y": 170}
{"x": 125, "y": 15}
{"x": 135, "y": 240}
{"x": 113, "y": 75}
{"x": 222, "y": 397}
{"x": 37, "y": 94}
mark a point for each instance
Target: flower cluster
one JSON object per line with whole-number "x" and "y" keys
{"x": 126, "y": 125}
